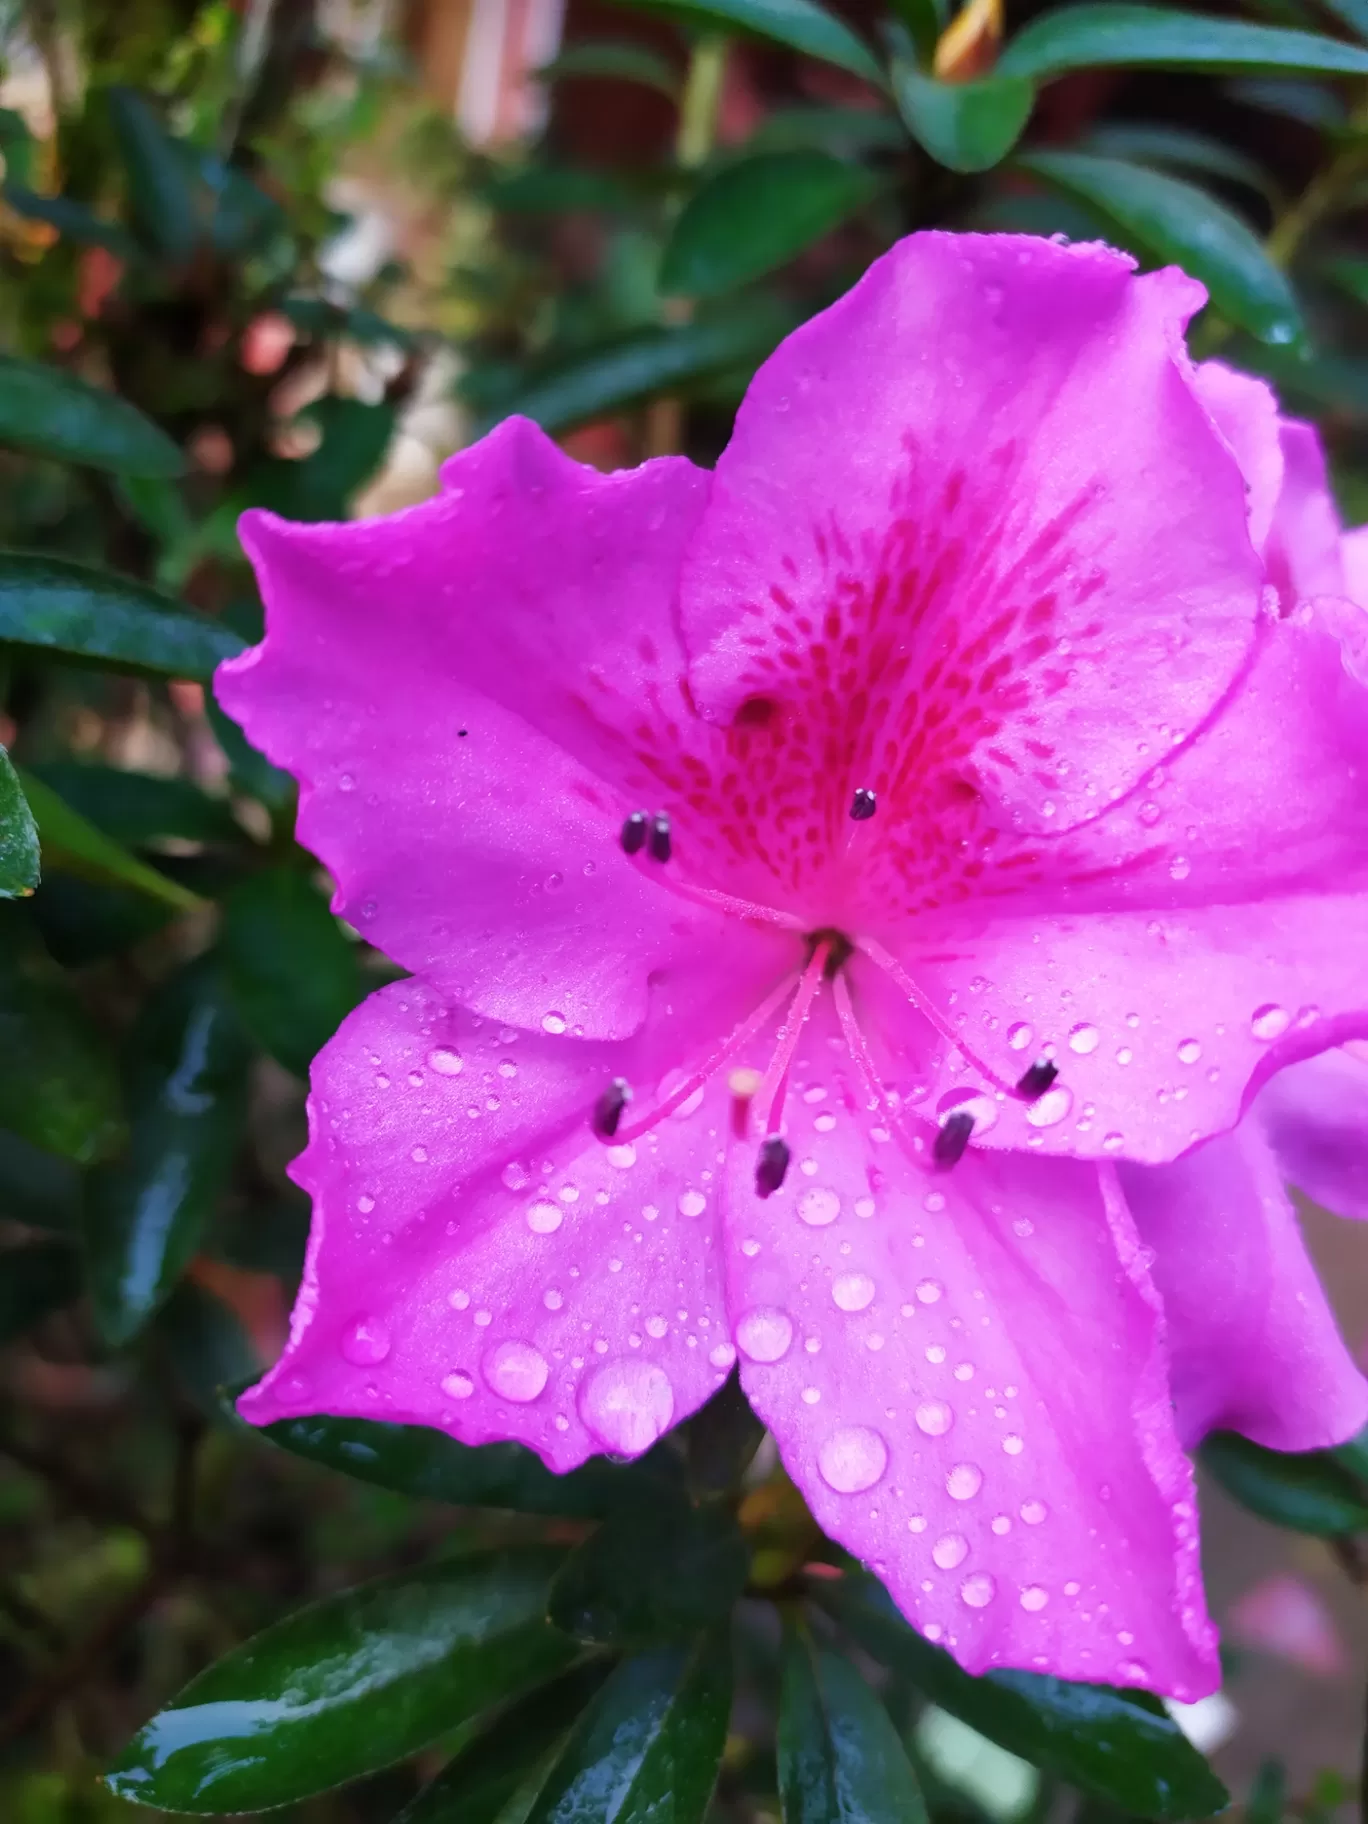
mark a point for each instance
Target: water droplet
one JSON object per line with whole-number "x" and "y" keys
{"x": 553, "y": 1022}
{"x": 627, "y": 1405}
{"x": 853, "y": 1291}
{"x": 515, "y": 1370}
{"x": 515, "y": 1175}
{"x": 692, "y": 1203}
{"x": 964, "y": 1481}
{"x": 977, "y": 1103}
{"x": 656, "y": 1327}
{"x": 1001, "y": 1525}
{"x": 1189, "y": 1051}
{"x": 1112, "y": 1143}
{"x": 964, "y": 1371}
{"x": 929, "y": 1291}
{"x": 1124, "y": 1055}
{"x": 545, "y": 1218}
{"x": 365, "y": 1204}
{"x": 1270, "y": 1022}
{"x": 852, "y": 1459}
{"x": 552, "y": 1299}
{"x": 764, "y": 1334}
{"x": 1019, "y": 1036}
{"x": 934, "y": 1417}
{"x": 446, "y": 1063}
{"x": 1179, "y": 868}
{"x": 1033, "y": 1511}
{"x": 1033, "y": 1597}
{"x": 977, "y": 1591}
{"x": 459, "y": 1300}
{"x": 935, "y": 1352}
{"x": 722, "y": 1356}
{"x": 950, "y": 1549}
{"x": 1149, "y": 814}
{"x": 366, "y": 1343}
{"x": 1013, "y": 1445}
{"x": 934, "y": 1202}
{"x": 458, "y": 1386}
{"x": 1083, "y": 1039}
{"x": 811, "y": 1395}
{"x": 818, "y": 1207}
{"x": 419, "y": 1155}
{"x": 623, "y": 1158}
{"x": 1050, "y": 1109}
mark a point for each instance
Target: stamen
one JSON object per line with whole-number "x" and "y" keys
{"x": 863, "y": 805}
{"x": 952, "y": 1137}
{"x": 771, "y": 1167}
{"x": 771, "y": 1096}
{"x": 634, "y": 833}
{"x": 858, "y": 1045}
{"x": 659, "y": 841}
{"x": 608, "y": 1109}
{"x": 744, "y": 1085}
{"x": 890, "y": 965}
{"x": 1032, "y": 1086}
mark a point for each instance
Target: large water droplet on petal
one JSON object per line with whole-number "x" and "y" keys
{"x": 1270, "y": 1022}
{"x": 974, "y": 1102}
{"x": 553, "y": 1022}
{"x": 764, "y": 1334}
{"x": 1033, "y": 1597}
{"x": 964, "y": 1481}
{"x": 458, "y": 1386}
{"x": 949, "y": 1550}
{"x": 1033, "y": 1511}
{"x": 978, "y": 1590}
{"x": 366, "y": 1342}
{"x": 627, "y": 1405}
{"x": 545, "y": 1218}
{"x": 852, "y": 1459}
{"x": 515, "y": 1370}
{"x": 1084, "y": 1038}
{"x": 1050, "y": 1109}
{"x": 818, "y": 1207}
{"x": 445, "y": 1063}
{"x": 929, "y": 1291}
{"x": 934, "y": 1417}
{"x": 853, "y": 1291}
{"x": 1189, "y": 1051}
{"x": 1019, "y": 1036}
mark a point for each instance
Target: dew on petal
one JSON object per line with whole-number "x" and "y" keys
{"x": 1050, "y": 1109}
{"x": 1033, "y": 1597}
{"x": 553, "y": 1023}
{"x": 964, "y": 1481}
{"x": 1013, "y": 1445}
{"x": 515, "y": 1370}
{"x": 627, "y": 1405}
{"x": 1084, "y": 1039}
{"x": 818, "y": 1207}
{"x": 853, "y": 1291}
{"x": 1033, "y": 1511}
{"x": 366, "y": 1342}
{"x": 935, "y": 1352}
{"x": 950, "y": 1549}
{"x": 545, "y": 1218}
{"x": 977, "y": 1104}
{"x": 929, "y": 1291}
{"x": 692, "y": 1203}
{"x": 1019, "y": 1036}
{"x": 1189, "y": 1051}
{"x": 934, "y": 1418}
{"x": 764, "y": 1334}
{"x": 656, "y": 1327}
{"x": 515, "y": 1176}
{"x": 852, "y": 1459}
{"x": 722, "y": 1356}
{"x": 458, "y": 1386}
{"x": 622, "y": 1157}
{"x": 1270, "y": 1022}
{"x": 978, "y": 1590}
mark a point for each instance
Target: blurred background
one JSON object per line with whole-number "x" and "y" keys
{"x": 293, "y": 253}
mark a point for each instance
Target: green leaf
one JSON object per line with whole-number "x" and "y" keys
{"x": 146, "y": 1212}
{"x": 206, "y": 1345}
{"x": 840, "y": 1759}
{"x": 1120, "y": 1746}
{"x": 38, "y": 1188}
{"x": 647, "y": 364}
{"x": 848, "y": 132}
{"x": 648, "y": 1748}
{"x": 1176, "y": 221}
{"x": 161, "y": 181}
{"x": 1308, "y": 102}
{"x": 925, "y": 21}
{"x": 35, "y": 1281}
{"x": 755, "y": 215}
{"x": 70, "y": 842}
{"x": 1306, "y": 1491}
{"x": 673, "y": 1573}
{"x": 1352, "y": 277}
{"x": 507, "y": 1765}
{"x": 1353, "y": 13}
{"x": 348, "y": 1685}
{"x": 608, "y": 57}
{"x": 800, "y": 24}
{"x": 1267, "y": 1799}
{"x": 103, "y": 619}
{"x": 16, "y": 144}
{"x": 966, "y": 126}
{"x": 1149, "y": 143}
{"x": 251, "y": 771}
{"x": 1079, "y": 37}
{"x": 58, "y": 1085}
{"x": 18, "y": 836}
{"x": 72, "y": 220}
{"x": 293, "y": 972}
{"x": 55, "y": 414}
{"x": 138, "y": 808}
{"x": 354, "y": 439}
{"x": 413, "y": 1460}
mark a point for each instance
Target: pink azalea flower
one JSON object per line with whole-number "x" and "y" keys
{"x": 818, "y": 877}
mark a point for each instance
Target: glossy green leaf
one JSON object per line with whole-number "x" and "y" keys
{"x": 1080, "y": 37}
{"x": 755, "y": 215}
{"x": 1307, "y": 1492}
{"x": 72, "y": 220}
{"x": 1311, "y": 103}
{"x": 84, "y": 921}
{"x": 251, "y": 771}
{"x": 500, "y": 1773}
{"x": 138, "y": 808}
{"x": 1176, "y": 221}
{"x": 354, "y": 436}
{"x": 294, "y": 973}
{"x": 615, "y": 58}
{"x": 35, "y": 1281}
{"x": 56, "y": 414}
{"x": 648, "y": 1748}
{"x": 840, "y": 1758}
{"x": 348, "y": 1685}
{"x": 1353, "y": 1456}
{"x": 925, "y": 20}
{"x": 1120, "y": 1746}
{"x": 58, "y": 1084}
{"x": 145, "y": 1213}
{"x": 70, "y": 841}
{"x": 647, "y": 364}
{"x": 413, "y": 1460}
{"x": 800, "y": 24}
{"x": 1353, "y": 13}
{"x": 1149, "y": 143}
{"x": 161, "y": 177}
{"x": 18, "y": 836}
{"x": 966, "y": 126}
{"x": 674, "y": 1572}
{"x": 103, "y": 619}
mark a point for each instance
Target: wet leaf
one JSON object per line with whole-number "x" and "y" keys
{"x": 69, "y": 841}
{"x": 640, "y": 1577}
{"x": 1081, "y": 37}
{"x": 294, "y": 973}
{"x": 800, "y": 24}
{"x": 161, "y": 177}
{"x": 1306, "y": 1491}
{"x": 966, "y": 126}
{"x": 56, "y": 414}
{"x": 840, "y": 1758}
{"x": 18, "y": 836}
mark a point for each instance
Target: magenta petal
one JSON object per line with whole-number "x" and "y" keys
{"x": 1246, "y": 414}
{"x": 1303, "y": 553}
{"x": 1253, "y": 1345}
{"x": 480, "y": 1262}
{"x": 1315, "y": 1116}
{"x": 975, "y": 521}
{"x": 964, "y": 1373}
{"x": 1354, "y": 558}
{"x": 458, "y": 689}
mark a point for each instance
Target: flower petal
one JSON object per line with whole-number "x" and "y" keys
{"x": 975, "y": 529}
{"x": 1253, "y": 1345}
{"x": 479, "y": 1261}
{"x": 1201, "y": 933}
{"x": 964, "y": 1373}
{"x": 1245, "y": 412}
{"x": 1354, "y": 557}
{"x": 458, "y": 689}
{"x": 1304, "y": 547}
{"x": 1315, "y": 1116}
